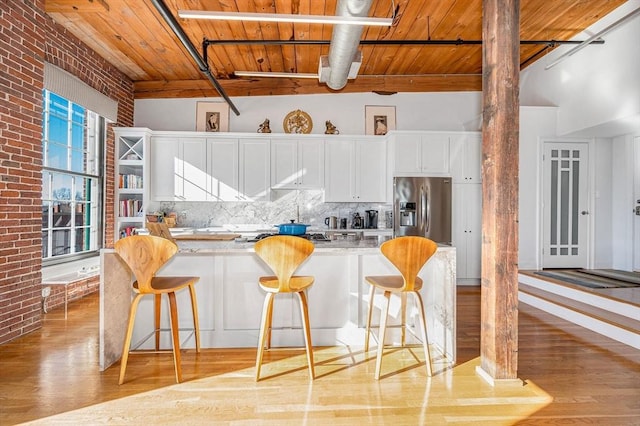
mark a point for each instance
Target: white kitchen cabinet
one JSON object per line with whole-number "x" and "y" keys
{"x": 194, "y": 169}
{"x": 355, "y": 170}
{"x": 467, "y": 231}
{"x": 178, "y": 168}
{"x": 297, "y": 164}
{"x": 328, "y": 299}
{"x": 466, "y": 158}
{"x": 164, "y": 160}
{"x": 222, "y": 169}
{"x": 254, "y": 166}
{"x": 421, "y": 154}
{"x": 132, "y": 179}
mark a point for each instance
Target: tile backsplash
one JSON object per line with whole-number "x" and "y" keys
{"x": 302, "y": 206}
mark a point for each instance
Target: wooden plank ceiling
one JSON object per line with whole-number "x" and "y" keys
{"x": 133, "y": 36}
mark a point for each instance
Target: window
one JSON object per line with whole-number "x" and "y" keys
{"x": 72, "y": 143}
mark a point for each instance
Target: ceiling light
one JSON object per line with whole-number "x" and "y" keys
{"x": 281, "y": 17}
{"x": 274, "y": 74}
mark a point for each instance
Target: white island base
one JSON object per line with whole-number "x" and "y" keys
{"x": 230, "y": 301}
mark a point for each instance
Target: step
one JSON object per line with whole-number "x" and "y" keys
{"x": 573, "y": 292}
{"x": 589, "y": 314}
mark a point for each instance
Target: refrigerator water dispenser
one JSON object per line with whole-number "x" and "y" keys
{"x": 407, "y": 214}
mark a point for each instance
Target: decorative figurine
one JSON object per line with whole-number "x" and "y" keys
{"x": 264, "y": 127}
{"x": 297, "y": 122}
{"x": 331, "y": 129}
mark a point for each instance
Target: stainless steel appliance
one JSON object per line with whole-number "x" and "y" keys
{"x": 422, "y": 206}
{"x": 331, "y": 222}
{"x": 371, "y": 219}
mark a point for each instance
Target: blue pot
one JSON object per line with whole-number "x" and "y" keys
{"x": 292, "y": 228}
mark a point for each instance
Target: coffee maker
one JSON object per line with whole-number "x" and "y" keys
{"x": 371, "y": 219}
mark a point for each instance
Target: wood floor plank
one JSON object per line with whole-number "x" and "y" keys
{"x": 572, "y": 376}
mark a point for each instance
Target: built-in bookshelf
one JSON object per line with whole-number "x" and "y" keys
{"x": 132, "y": 144}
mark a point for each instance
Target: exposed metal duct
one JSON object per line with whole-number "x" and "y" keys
{"x": 343, "y": 49}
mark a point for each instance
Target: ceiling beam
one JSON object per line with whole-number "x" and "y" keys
{"x": 294, "y": 86}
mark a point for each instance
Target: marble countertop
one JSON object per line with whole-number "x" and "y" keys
{"x": 252, "y": 230}
{"x": 366, "y": 245}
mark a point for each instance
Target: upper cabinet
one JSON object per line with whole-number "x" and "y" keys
{"x": 132, "y": 147}
{"x": 420, "y": 154}
{"x": 254, "y": 168}
{"x": 355, "y": 170}
{"x": 466, "y": 157}
{"x": 177, "y": 168}
{"x": 297, "y": 164}
{"x": 222, "y": 169}
{"x": 203, "y": 168}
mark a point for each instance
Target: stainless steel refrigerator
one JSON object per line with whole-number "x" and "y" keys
{"x": 422, "y": 206}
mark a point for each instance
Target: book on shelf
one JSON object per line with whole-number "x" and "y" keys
{"x": 130, "y": 181}
{"x": 130, "y": 208}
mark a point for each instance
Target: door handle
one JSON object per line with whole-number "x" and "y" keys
{"x": 584, "y": 212}
{"x": 637, "y": 210}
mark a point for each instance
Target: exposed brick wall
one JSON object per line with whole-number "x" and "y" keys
{"x": 29, "y": 38}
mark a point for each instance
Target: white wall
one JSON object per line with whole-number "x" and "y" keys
{"x": 622, "y": 200}
{"x": 536, "y": 123}
{"x": 596, "y": 89}
{"x": 601, "y": 205}
{"x": 414, "y": 111}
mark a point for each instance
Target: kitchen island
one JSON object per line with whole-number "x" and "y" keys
{"x": 230, "y": 300}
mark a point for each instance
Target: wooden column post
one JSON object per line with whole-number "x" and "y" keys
{"x": 500, "y": 124}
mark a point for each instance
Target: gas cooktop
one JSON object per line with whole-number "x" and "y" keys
{"x": 313, "y": 237}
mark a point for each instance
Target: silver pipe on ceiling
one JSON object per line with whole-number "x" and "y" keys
{"x": 345, "y": 40}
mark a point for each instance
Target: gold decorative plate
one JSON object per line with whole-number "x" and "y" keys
{"x": 297, "y": 122}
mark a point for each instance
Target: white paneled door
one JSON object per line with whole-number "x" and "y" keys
{"x": 566, "y": 205}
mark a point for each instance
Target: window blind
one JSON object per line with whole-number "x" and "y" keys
{"x": 71, "y": 87}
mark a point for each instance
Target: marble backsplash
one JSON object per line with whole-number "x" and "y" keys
{"x": 303, "y": 206}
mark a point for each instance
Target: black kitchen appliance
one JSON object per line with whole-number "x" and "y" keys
{"x": 357, "y": 221}
{"x": 371, "y": 219}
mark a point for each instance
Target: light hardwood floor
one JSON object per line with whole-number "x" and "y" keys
{"x": 572, "y": 376}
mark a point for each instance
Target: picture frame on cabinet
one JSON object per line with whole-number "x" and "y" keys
{"x": 212, "y": 117}
{"x": 379, "y": 119}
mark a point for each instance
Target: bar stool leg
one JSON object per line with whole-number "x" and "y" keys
{"x": 175, "y": 337}
{"x": 266, "y": 313}
{"x": 127, "y": 338}
{"x": 425, "y": 340}
{"x": 157, "y": 306}
{"x": 383, "y": 328}
{"x": 304, "y": 311}
{"x": 372, "y": 294}
{"x": 194, "y": 311}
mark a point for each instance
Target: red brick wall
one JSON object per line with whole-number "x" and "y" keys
{"x": 29, "y": 38}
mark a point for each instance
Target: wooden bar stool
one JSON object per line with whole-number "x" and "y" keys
{"x": 408, "y": 255}
{"x": 284, "y": 254}
{"x": 145, "y": 255}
